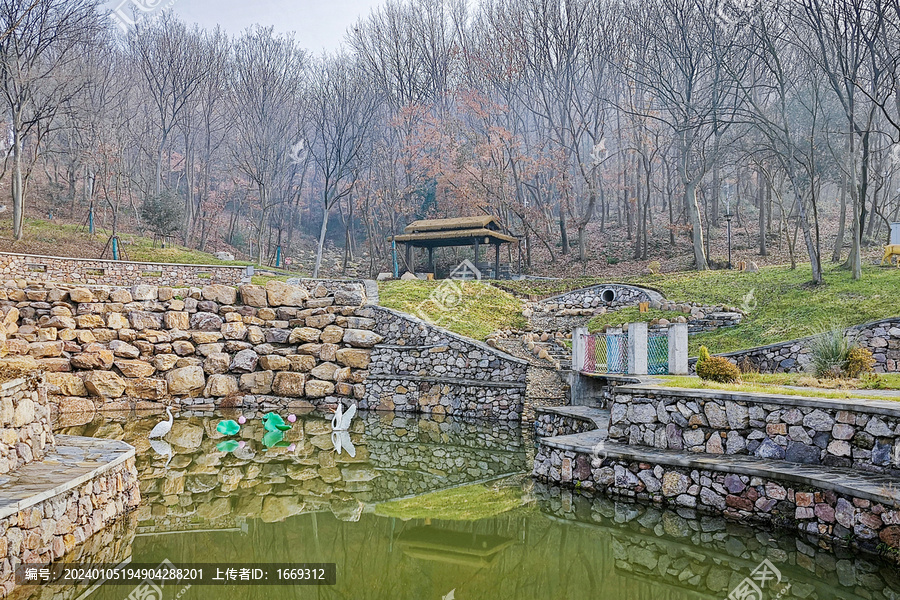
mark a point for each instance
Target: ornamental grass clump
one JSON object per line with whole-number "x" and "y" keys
{"x": 830, "y": 351}
{"x": 716, "y": 368}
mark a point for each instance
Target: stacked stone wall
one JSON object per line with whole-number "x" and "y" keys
{"x": 114, "y": 272}
{"x": 115, "y": 347}
{"x": 26, "y": 434}
{"x": 418, "y": 367}
{"x": 859, "y": 434}
{"x": 882, "y": 338}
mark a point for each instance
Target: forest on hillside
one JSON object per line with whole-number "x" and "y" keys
{"x": 658, "y": 119}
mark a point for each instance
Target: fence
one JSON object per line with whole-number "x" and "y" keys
{"x": 631, "y": 350}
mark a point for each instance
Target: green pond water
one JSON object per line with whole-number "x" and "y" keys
{"x": 298, "y": 500}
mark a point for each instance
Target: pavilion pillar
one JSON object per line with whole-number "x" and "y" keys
{"x": 409, "y": 265}
{"x": 496, "y": 261}
{"x": 476, "y": 253}
{"x": 431, "y": 259}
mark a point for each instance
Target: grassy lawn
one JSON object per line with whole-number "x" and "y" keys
{"x": 779, "y": 304}
{"x": 473, "y": 309}
{"x": 61, "y": 239}
{"x": 466, "y": 503}
{"x": 774, "y": 384}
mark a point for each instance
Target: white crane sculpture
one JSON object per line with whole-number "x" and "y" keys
{"x": 341, "y": 420}
{"x": 163, "y": 427}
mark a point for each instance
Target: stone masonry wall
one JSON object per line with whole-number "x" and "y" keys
{"x": 114, "y": 272}
{"x": 55, "y": 527}
{"x": 26, "y": 434}
{"x": 551, "y": 424}
{"x": 825, "y": 513}
{"x": 114, "y": 347}
{"x": 882, "y": 338}
{"x": 861, "y": 434}
{"x": 418, "y": 367}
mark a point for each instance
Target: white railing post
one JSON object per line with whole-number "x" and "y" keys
{"x": 678, "y": 349}
{"x": 637, "y": 348}
{"x": 578, "y": 344}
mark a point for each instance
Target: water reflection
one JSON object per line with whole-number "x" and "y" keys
{"x": 258, "y": 505}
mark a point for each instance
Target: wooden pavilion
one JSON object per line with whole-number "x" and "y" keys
{"x": 462, "y": 231}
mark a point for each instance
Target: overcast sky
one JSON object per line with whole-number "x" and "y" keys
{"x": 319, "y": 24}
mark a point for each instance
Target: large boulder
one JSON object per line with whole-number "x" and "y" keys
{"x": 219, "y": 385}
{"x": 259, "y": 382}
{"x": 186, "y": 380}
{"x": 223, "y": 294}
{"x": 142, "y": 319}
{"x": 143, "y": 292}
{"x": 124, "y": 349}
{"x": 361, "y": 338}
{"x": 354, "y": 357}
{"x": 254, "y": 295}
{"x": 135, "y": 369}
{"x": 217, "y": 362}
{"x": 244, "y": 361}
{"x": 66, "y": 384}
{"x": 319, "y": 389}
{"x": 45, "y": 349}
{"x": 146, "y": 388}
{"x": 283, "y": 294}
{"x": 234, "y": 330}
{"x": 96, "y": 357}
{"x": 324, "y": 371}
{"x": 302, "y": 335}
{"x": 81, "y": 295}
{"x": 177, "y": 320}
{"x": 274, "y": 362}
{"x": 105, "y": 384}
{"x": 289, "y": 384}
{"x": 206, "y": 321}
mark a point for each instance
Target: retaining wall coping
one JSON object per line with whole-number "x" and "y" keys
{"x": 473, "y": 342}
{"x": 76, "y": 461}
{"x": 881, "y": 407}
{"x": 851, "y": 482}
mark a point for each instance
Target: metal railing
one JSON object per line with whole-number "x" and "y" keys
{"x": 605, "y": 353}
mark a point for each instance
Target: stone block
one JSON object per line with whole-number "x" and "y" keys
{"x": 258, "y": 382}
{"x": 223, "y": 294}
{"x": 290, "y": 384}
{"x": 283, "y": 294}
{"x": 185, "y": 380}
{"x": 105, "y": 384}
{"x": 254, "y": 295}
{"x": 219, "y": 385}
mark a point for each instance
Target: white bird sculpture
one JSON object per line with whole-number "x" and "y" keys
{"x": 341, "y": 420}
{"x": 163, "y": 448}
{"x": 163, "y": 427}
{"x": 342, "y": 443}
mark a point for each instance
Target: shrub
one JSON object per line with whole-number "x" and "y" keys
{"x": 859, "y": 362}
{"x": 829, "y": 352}
{"x": 704, "y": 354}
{"x": 716, "y": 368}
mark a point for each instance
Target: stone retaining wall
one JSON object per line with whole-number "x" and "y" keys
{"x": 40, "y": 529}
{"x": 418, "y": 367}
{"x": 610, "y": 296}
{"x": 882, "y": 338}
{"x": 552, "y": 424}
{"x": 114, "y": 272}
{"x": 113, "y": 348}
{"x": 836, "y": 517}
{"x": 862, "y": 434}
{"x": 26, "y": 434}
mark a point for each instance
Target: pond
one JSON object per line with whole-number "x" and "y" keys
{"x": 424, "y": 508}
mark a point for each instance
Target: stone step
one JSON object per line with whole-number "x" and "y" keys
{"x": 870, "y": 486}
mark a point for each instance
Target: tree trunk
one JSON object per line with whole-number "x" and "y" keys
{"x": 18, "y": 189}
{"x": 761, "y": 197}
{"x": 321, "y": 242}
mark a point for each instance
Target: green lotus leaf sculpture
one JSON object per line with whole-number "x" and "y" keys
{"x": 228, "y": 427}
{"x": 228, "y": 446}
{"x": 274, "y": 422}
{"x": 273, "y": 439}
